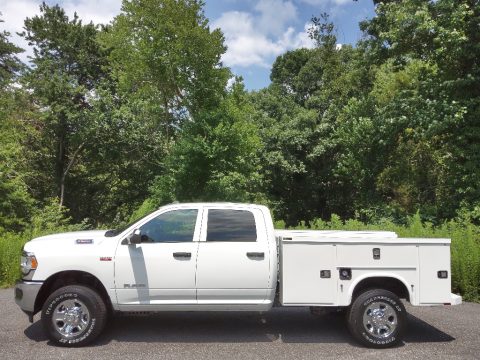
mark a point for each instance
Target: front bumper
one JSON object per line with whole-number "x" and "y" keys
{"x": 25, "y": 294}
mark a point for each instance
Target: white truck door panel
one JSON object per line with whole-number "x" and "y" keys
{"x": 309, "y": 275}
{"x": 233, "y": 262}
{"x": 160, "y": 270}
{"x": 434, "y": 258}
{"x": 152, "y": 274}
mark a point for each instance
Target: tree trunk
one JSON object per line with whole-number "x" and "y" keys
{"x": 60, "y": 158}
{"x": 64, "y": 174}
{"x": 167, "y": 121}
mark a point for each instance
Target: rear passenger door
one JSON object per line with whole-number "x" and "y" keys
{"x": 233, "y": 257}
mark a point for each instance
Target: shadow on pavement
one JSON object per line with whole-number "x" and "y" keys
{"x": 421, "y": 332}
{"x": 286, "y": 325}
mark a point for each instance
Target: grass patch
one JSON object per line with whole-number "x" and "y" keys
{"x": 49, "y": 220}
{"x": 10, "y": 250}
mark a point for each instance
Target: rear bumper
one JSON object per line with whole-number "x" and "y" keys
{"x": 25, "y": 294}
{"x": 455, "y": 299}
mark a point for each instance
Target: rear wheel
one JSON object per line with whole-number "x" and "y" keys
{"x": 377, "y": 318}
{"x": 74, "y": 315}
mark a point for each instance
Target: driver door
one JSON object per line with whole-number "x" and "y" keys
{"x": 161, "y": 269}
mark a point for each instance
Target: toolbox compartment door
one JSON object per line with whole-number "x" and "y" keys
{"x": 301, "y": 280}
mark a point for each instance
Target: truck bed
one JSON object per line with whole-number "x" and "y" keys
{"x": 311, "y": 264}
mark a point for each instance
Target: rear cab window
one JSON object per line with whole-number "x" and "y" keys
{"x": 228, "y": 225}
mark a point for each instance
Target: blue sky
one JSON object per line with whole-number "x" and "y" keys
{"x": 256, "y": 32}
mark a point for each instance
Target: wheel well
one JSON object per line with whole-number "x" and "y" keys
{"x": 65, "y": 278}
{"x": 386, "y": 283}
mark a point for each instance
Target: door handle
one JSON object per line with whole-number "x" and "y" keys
{"x": 182, "y": 255}
{"x": 255, "y": 255}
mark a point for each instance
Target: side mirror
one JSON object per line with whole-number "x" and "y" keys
{"x": 134, "y": 238}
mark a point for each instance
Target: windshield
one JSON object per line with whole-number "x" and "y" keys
{"x": 122, "y": 228}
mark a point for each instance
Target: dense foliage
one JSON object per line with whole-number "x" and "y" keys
{"x": 108, "y": 122}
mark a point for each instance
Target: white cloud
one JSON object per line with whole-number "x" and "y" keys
{"x": 249, "y": 43}
{"x": 274, "y": 15}
{"x": 245, "y": 45}
{"x": 14, "y": 13}
{"x": 302, "y": 39}
{"x": 100, "y": 12}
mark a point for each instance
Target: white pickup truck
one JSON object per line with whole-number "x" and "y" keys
{"x": 228, "y": 257}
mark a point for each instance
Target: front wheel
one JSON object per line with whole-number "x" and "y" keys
{"x": 74, "y": 315}
{"x": 377, "y": 319}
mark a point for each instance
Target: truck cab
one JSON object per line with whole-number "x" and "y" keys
{"x": 198, "y": 256}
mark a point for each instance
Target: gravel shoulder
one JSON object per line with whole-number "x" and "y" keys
{"x": 283, "y": 333}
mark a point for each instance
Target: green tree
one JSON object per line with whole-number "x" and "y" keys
{"x": 285, "y": 72}
{"x": 216, "y": 157}
{"x": 169, "y": 86}
{"x": 15, "y": 198}
{"x": 166, "y": 58}
{"x": 395, "y": 128}
{"x": 298, "y": 116}
{"x": 442, "y": 104}
{"x": 67, "y": 65}
{"x": 287, "y": 131}
{"x": 10, "y": 65}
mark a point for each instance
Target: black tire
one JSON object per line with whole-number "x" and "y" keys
{"x": 377, "y": 319}
{"x": 84, "y": 320}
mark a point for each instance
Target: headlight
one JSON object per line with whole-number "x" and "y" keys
{"x": 28, "y": 262}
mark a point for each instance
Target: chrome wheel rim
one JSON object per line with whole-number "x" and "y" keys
{"x": 380, "y": 320}
{"x": 71, "y": 318}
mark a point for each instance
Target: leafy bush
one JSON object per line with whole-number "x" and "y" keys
{"x": 10, "y": 249}
{"x": 51, "y": 219}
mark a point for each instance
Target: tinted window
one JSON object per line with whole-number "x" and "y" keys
{"x": 172, "y": 226}
{"x": 231, "y": 225}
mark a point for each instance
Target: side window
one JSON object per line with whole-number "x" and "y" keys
{"x": 172, "y": 226}
{"x": 231, "y": 225}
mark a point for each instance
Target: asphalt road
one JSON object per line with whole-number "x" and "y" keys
{"x": 283, "y": 333}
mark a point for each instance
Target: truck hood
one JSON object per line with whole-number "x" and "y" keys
{"x": 75, "y": 237}
{"x": 80, "y": 250}
{"x": 69, "y": 241}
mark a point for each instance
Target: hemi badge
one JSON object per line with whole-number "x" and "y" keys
{"x": 84, "y": 241}
{"x": 105, "y": 258}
